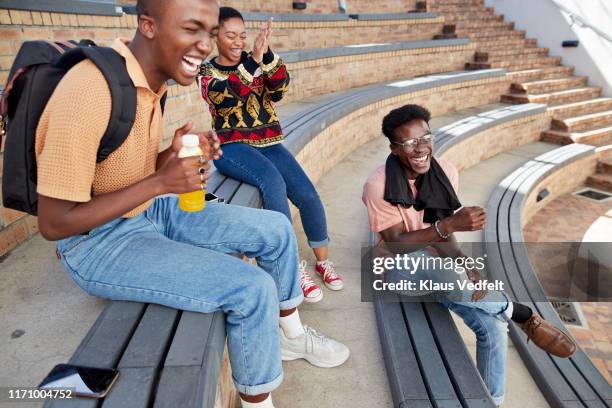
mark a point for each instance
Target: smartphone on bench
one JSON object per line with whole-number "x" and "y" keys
{"x": 212, "y": 198}
{"x": 87, "y": 382}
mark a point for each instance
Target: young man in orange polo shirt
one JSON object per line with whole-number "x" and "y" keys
{"x": 411, "y": 201}
{"x": 119, "y": 240}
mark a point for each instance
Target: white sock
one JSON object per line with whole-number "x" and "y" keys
{"x": 267, "y": 403}
{"x": 292, "y": 325}
{"x": 321, "y": 262}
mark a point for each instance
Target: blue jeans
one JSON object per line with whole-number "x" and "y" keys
{"x": 277, "y": 175}
{"x": 181, "y": 260}
{"x": 488, "y": 318}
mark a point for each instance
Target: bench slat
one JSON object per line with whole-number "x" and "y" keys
{"x": 190, "y": 373}
{"x": 432, "y": 367}
{"x": 104, "y": 344}
{"x": 142, "y": 359}
{"x": 407, "y": 387}
{"x": 470, "y": 387}
{"x": 247, "y": 196}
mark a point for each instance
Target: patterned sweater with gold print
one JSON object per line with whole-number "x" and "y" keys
{"x": 241, "y": 98}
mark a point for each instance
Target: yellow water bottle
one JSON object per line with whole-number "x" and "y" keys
{"x": 193, "y": 201}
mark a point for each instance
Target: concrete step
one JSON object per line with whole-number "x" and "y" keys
{"x": 580, "y": 108}
{"x": 604, "y": 166}
{"x": 459, "y": 8}
{"x": 513, "y": 53}
{"x": 548, "y": 85}
{"x": 472, "y": 25}
{"x": 530, "y": 63}
{"x": 505, "y": 44}
{"x": 540, "y": 73}
{"x": 596, "y": 137}
{"x": 493, "y": 35}
{"x": 584, "y": 122}
{"x": 554, "y": 98}
{"x": 480, "y": 14}
{"x": 573, "y": 95}
{"x": 600, "y": 182}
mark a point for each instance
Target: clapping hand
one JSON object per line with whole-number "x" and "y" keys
{"x": 261, "y": 45}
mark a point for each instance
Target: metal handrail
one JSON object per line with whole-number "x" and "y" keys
{"x": 582, "y": 21}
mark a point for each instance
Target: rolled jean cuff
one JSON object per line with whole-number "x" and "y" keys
{"x": 291, "y": 303}
{"x": 318, "y": 244}
{"x": 507, "y": 313}
{"x": 261, "y": 388}
{"x": 498, "y": 400}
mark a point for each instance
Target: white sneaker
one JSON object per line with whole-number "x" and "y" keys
{"x": 312, "y": 292}
{"x": 315, "y": 348}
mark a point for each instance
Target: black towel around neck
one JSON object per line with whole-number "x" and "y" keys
{"x": 435, "y": 192}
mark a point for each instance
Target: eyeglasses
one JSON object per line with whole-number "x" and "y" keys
{"x": 410, "y": 145}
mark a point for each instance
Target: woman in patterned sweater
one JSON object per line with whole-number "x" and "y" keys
{"x": 240, "y": 89}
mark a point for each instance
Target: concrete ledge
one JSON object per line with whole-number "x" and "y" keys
{"x": 65, "y": 6}
{"x": 457, "y": 132}
{"x": 251, "y": 16}
{"x": 314, "y": 54}
{"x": 393, "y": 16}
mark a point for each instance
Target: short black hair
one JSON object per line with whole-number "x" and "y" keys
{"x": 148, "y": 7}
{"x": 399, "y": 116}
{"x": 225, "y": 13}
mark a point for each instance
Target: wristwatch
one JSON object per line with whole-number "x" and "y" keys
{"x": 438, "y": 232}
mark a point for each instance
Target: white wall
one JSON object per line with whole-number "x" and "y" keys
{"x": 544, "y": 20}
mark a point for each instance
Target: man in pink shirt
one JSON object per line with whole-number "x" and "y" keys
{"x": 412, "y": 201}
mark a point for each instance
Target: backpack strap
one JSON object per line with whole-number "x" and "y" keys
{"x": 123, "y": 93}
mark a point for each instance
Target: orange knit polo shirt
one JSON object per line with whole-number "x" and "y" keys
{"x": 71, "y": 128}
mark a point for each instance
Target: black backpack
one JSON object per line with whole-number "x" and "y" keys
{"x": 38, "y": 68}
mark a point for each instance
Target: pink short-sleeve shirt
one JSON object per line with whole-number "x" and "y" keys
{"x": 383, "y": 215}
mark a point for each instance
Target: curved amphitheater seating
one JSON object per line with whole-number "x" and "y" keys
{"x": 571, "y": 382}
{"x": 138, "y": 337}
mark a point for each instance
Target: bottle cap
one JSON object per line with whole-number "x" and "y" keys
{"x": 190, "y": 141}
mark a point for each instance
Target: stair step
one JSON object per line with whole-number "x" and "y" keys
{"x": 540, "y": 73}
{"x": 600, "y": 182}
{"x": 479, "y": 15}
{"x": 459, "y": 8}
{"x": 504, "y": 44}
{"x": 604, "y": 166}
{"x": 484, "y": 25}
{"x": 584, "y": 122}
{"x": 581, "y": 108}
{"x": 596, "y": 137}
{"x": 531, "y": 63}
{"x": 479, "y": 35}
{"x": 520, "y": 52}
{"x": 553, "y": 98}
{"x": 548, "y": 85}
{"x": 573, "y": 95}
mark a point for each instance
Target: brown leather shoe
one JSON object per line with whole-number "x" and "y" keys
{"x": 548, "y": 337}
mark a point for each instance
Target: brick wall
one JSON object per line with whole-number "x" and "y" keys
{"x": 291, "y": 35}
{"x": 497, "y": 139}
{"x": 315, "y": 6}
{"x": 563, "y": 181}
{"x": 326, "y": 75}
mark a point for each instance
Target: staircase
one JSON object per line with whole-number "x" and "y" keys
{"x": 579, "y": 113}
{"x": 602, "y": 180}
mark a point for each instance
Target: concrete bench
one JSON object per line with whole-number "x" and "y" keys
{"x": 427, "y": 362}
{"x": 321, "y": 53}
{"x": 564, "y": 382}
